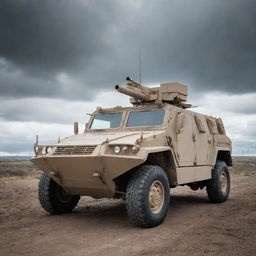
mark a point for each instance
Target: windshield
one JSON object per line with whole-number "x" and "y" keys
{"x": 146, "y": 118}
{"x": 106, "y": 121}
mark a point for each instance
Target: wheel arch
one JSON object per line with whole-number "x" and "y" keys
{"x": 164, "y": 159}
{"x": 224, "y": 155}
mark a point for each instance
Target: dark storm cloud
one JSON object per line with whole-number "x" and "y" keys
{"x": 209, "y": 45}
{"x": 40, "y": 39}
{"x": 49, "y": 36}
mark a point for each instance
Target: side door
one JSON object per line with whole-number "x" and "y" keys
{"x": 185, "y": 139}
{"x": 203, "y": 140}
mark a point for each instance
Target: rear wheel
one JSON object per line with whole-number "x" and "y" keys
{"x": 218, "y": 188}
{"x": 148, "y": 196}
{"x": 53, "y": 197}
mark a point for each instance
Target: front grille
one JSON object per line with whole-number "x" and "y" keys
{"x": 74, "y": 150}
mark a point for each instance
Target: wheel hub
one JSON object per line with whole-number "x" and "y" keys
{"x": 62, "y": 195}
{"x": 156, "y": 196}
{"x": 223, "y": 181}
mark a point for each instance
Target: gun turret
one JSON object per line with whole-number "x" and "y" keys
{"x": 135, "y": 90}
{"x": 135, "y": 85}
{"x": 130, "y": 92}
{"x": 172, "y": 93}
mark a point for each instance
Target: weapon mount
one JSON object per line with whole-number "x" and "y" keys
{"x": 171, "y": 93}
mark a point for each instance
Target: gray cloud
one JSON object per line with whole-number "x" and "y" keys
{"x": 49, "y": 36}
{"x": 210, "y": 45}
{"x": 19, "y": 137}
{"x": 20, "y": 148}
{"x": 16, "y": 83}
{"x": 251, "y": 129}
{"x": 44, "y": 110}
{"x": 63, "y": 54}
{"x": 223, "y": 102}
{"x": 56, "y": 111}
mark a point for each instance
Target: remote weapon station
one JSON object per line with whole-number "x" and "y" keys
{"x": 137, "y": 153}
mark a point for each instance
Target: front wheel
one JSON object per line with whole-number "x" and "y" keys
{"x": 53, "y": 197}
{"x": 148, "y": 196}
{"x": 218, "y": 188}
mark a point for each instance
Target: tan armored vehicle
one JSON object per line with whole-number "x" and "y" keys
{"x": 137, "y": 153}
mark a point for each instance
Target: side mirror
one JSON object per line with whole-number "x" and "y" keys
{"x": 76, "y": 129}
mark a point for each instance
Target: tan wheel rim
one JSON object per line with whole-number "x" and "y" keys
{"x": 62, "y": 195}
{"x": 156, "y": 196}
{"x": 223, "y": 181}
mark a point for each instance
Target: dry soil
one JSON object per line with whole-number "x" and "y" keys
{"x": 193, "y": 226}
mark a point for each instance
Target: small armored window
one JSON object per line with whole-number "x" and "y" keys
{"x": 211, "y": 122}
{"x": 220, "y": 126}
{"x": 200, "y": 124}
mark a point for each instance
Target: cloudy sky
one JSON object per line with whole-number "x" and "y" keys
{"x": 59, "y": 59}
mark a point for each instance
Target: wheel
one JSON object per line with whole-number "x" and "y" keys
{"x": 148, "y": 196}
{"x": 53, "y": 197}
{"x": 218, "y": 187}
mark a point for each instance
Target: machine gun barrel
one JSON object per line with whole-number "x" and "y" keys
{"x": 132, "y": 83}
{"x": 135, "y": 94}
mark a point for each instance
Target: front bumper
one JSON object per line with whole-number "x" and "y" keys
{"x": 86, "y": 175}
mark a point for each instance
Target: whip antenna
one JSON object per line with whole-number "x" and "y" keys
{"x": 140, "y": 65}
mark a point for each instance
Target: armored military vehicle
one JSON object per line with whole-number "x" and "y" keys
{"x": 137, "y": 153}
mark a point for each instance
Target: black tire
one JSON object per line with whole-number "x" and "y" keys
{"x": 218, "y": 188}
{"x": 53, "y": 198}
{"x": 146, "y": 179}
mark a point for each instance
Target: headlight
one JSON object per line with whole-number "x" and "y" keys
{"x": 117, "y": 149}
{"x": 42, "y": 150}
{"x": 48, "y": 149}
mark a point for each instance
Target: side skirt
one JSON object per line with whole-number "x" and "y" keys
{"x": 193, "y": 173}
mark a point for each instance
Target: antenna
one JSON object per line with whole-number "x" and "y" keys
{"x": 140, "y": 64}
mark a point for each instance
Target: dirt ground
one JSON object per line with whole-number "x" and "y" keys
{"x": 193, "y": 226}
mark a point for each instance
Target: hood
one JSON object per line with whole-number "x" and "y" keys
{"x": 121, "y": 138}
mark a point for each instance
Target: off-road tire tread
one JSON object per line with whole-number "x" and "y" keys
{"x": 48, "y": 199}
{"x": 214, "y": 192}
{"x": 136, "y": 194}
